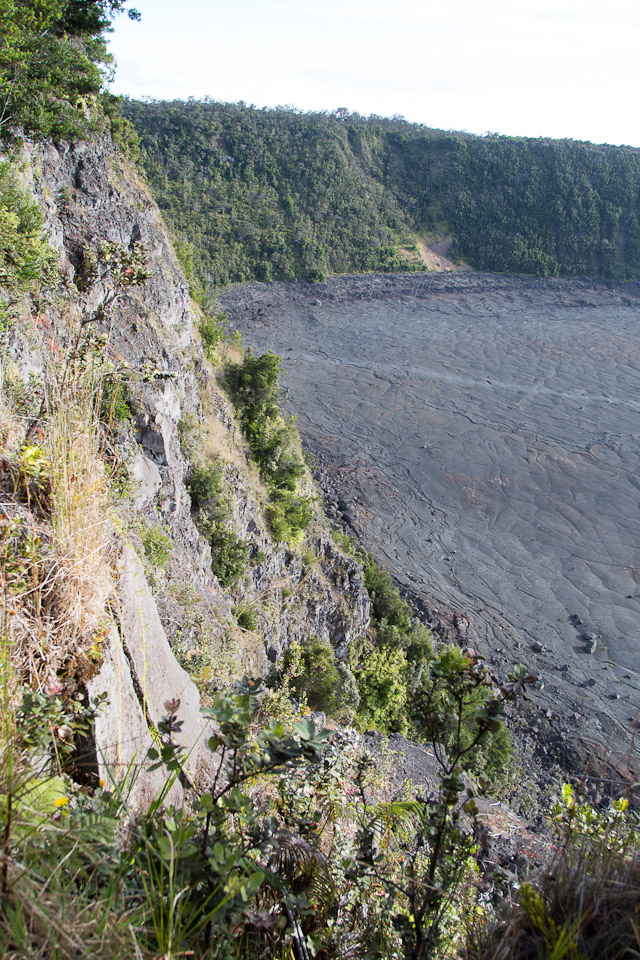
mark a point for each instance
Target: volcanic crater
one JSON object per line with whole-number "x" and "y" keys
{"x": 482, "y": 434}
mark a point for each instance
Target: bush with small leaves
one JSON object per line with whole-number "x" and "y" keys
{"x": 53, "y": 66}
{"x": 246, "y": 617}
{"x": 345, "y": 541}
{"x": 205, "y": 876}
{"x": 213, "y": 330}
{"x": 318, "y": 678}
{"x": 114, "y": 401}
{"x": 584, "y": 901}
{"x": 157, "y": 545}
{"x": 255, "y": 390}
{"x": 229, "y": 554}
{"x": 382, "y": 686}
{"x": 289, "y": 515}
{"x": 386, "y": 601}
{"x": 27, "y": 261}
{"x": 205, "y": 482}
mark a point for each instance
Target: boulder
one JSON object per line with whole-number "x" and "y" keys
{"x": 159, "y": 678}
{"x": 148, "y": 477}
{"x": 121, "y": 732}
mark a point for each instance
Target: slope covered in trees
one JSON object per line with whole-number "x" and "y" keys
{"x": 268, "y": 195}
{"x": 273, "y": 194}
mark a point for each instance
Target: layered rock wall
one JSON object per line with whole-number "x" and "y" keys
{"x": 90, "y": 195}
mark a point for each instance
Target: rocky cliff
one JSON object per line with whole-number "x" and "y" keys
{"x": 167, "y": 610}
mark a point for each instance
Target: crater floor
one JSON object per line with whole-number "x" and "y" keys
{"x": 490, "y": 430}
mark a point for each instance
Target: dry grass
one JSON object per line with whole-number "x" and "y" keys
{"x": 231, "y": 351}
{"x": 216, "y": 441}
{"x": 585, "y": 904}
{"x": 80, "y": 509}
{"x": 56, "y": 533}
{"x": 56, "y": 923}
{"x": 56, "y": 528}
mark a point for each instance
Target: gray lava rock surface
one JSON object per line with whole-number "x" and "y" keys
{"x": 482, "y": 433}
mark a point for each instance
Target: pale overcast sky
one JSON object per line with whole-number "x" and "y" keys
{"x": 557, "y": 68}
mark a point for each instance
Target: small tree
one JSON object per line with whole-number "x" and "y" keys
{"x": 53, "y": 57}
{"x": 318, "y": 676}
{"x": 436, "y": 854}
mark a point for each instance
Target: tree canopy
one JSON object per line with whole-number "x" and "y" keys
{"x": 278, "y": 194}
{"x": 53, "y": 64}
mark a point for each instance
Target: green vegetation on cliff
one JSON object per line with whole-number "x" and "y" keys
{"x": 276, "y": 194}
{"x": 27, "y": 262}
{"x": 255, "y": 389}
{"x": 542, "y": 207}
{"x": 53, "y": 65}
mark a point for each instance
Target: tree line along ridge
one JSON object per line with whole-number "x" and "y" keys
{"x": 257, "y": 194}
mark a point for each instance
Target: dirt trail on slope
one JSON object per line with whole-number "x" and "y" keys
{"x": 436, "y": 256}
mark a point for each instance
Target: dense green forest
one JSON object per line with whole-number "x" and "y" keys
{"x": 541, "y": 207}
{"x": 268, "y": 195}
{"x": 54, "y": 63}
{"x": 277, "y": 194}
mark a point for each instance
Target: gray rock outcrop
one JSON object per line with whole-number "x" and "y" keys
{"x": 90, "y": 195}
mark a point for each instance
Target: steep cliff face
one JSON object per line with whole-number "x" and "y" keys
{"x": 167, "y": 605}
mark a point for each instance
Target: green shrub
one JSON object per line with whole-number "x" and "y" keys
{"x": 493, "y": 755}
{"x": 280, "y": 701}
{"x": 186, "y": 257}
{"x": 345, "y": 541}
{"x": 190, "y": 438}
{"x": 257, "y": 557}
{"x": 27, "y": 261}
{"x": 318, "y": 678}
{"x": 382, "y": 685}
{"x": 288, "y": 515}
{"x": 53, "y": 64}
{"x": 157, "y": 545}
{"x": 246, "y": 617}
{"x": 400, "y": 658}
{"x": 309, "y": 556}
{"x": 394, "y": 659}
{"x": 122, "y": 131}
{"x": 205, "y": 483}
{"x": 386, "y": 601}
{"x": 229, "y": 554}
{"x": 114, "y": 401}
{"x": 348, "y": 695}
{"x": 213, "y": 330}
{"x": 254, "y": 388}
{"x": 416, "y": 642}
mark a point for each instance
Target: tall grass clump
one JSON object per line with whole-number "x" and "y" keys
{"x": 57, "y": 530}
{"x": 584, "y": 903}
{"x": 81, "y": 518}
{"x": 57, "y": 526}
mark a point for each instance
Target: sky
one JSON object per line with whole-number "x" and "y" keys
{"x": 552, "y": 68}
